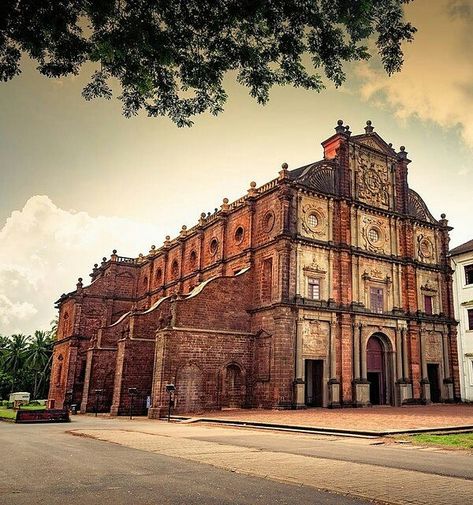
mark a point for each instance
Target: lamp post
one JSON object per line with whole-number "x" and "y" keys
{"x": 68, "y": 399}
{"x": 170, "y": 388}
{"x": 97, "y": 392}
{"x": 132, "y": 392}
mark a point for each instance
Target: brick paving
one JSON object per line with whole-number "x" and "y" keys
{"x": 374, "y": 418}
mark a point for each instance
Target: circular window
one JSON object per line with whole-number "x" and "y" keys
{"x": 268, "y": 221}
{"x": 373, "y": 235}
{"x": 239, "y": 233}
{"x": 193, "y": 259}
{"x": 312, "y": 220}
{"x": 213, "y": 246}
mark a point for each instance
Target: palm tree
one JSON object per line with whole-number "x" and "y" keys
{"x": 14, "y": 355}
{"x": 38, "y": 358}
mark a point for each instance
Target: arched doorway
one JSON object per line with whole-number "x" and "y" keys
{"x": 233, "y": 387}
{"x": 376, "y": 370}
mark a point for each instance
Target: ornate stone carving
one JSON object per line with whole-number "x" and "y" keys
{"x": 313, "y": 220}
{"x": 374, "y": 234}
{"x": 314, "y": 267}
{"x": 425, "y": 247}
{"x": 429, "y": 286}
{"x": 372, "y": 179}
{"x": 315, "y": 338}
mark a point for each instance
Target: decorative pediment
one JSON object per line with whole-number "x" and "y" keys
{"x": 314, "y": 268}
{"x": 374, "y": 141}
{"x": 376, "y": 275}
{"x": 429, "y": 286}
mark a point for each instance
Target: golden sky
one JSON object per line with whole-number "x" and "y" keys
{"x": 78, "y": 179}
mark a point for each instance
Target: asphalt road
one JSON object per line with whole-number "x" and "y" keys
{"x": 42, "y": 464}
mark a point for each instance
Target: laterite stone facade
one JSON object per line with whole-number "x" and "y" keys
{"x": 328, "y": 286}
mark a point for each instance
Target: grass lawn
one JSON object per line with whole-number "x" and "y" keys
{"x": 7, "y": 413}
{"x": 11, "y": 414}
{"x": 461, "y": 440}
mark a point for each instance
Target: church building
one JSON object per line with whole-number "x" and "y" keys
{"x": 329, "y": 286}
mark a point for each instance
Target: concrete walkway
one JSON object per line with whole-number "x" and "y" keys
{"x": 369, "y": 481}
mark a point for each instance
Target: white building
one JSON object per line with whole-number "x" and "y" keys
{"x": 462, "y": 262}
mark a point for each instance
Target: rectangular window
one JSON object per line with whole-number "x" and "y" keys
{"x": 377, "y": 300}
{"x": 313, "y": 289}
{"x": 469, "y": 274}
{"x": 470, "y": 319}
{"x": 428, "y": 304}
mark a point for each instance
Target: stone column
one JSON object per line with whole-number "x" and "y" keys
{"x": 399, "y": 370}
{"x": 356, "y": 351}
{"x": 299, "y": 383}
{"x": 425, "y": 385}
{"x": 447, "y": 380}
{"x": 333, "y": 383}
{"x": 405, "y": 360}
{"x": 361, "y": 384}
{"x": 364, "y": 373}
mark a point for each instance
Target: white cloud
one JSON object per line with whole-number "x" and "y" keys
{"x": 435, "y": 83}
{"x": 44, "y": 249}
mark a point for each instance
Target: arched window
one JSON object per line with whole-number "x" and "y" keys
{"x": 239, "y": 234}
{"x": 193, "y": 259}
{"x": 175, "y": 269}
{"x": 213, "y": 246}
{"x": 159, "y": 276}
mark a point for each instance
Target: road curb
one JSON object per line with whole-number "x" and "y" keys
{"x": 323, "y": 430}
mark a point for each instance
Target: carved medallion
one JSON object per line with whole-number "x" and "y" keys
{"x": 425, "y": 247}
{"x": 313, "y": 220}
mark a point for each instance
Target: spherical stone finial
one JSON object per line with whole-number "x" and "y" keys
{"x": 340, "y": 122}
{"x": 96, "y": 265}
{"x": 140, "y": 255}
{"x": 390, "y": 144}
{"x": 284, "y": 166}
{"x": 168, "y": 238}
{"x": 225, "y": 201}
{"x": 402, "y": 148}
{"x": 153, "y": 247}
{"x": 203, "y": 215}
{"x": 80, "y": 279}
{"x": 252, "y": 184}
{"x": 104, "y": 259}
{"x": 114, "y": 251}
{"x": 443, "y": 215}
{"x": 184, "y": 227}
{"x": 369, "y": 127}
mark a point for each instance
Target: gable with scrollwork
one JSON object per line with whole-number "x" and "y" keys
{"x": 372, "y": 178}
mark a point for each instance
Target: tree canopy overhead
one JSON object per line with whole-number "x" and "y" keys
{"x": 170, "y": 56}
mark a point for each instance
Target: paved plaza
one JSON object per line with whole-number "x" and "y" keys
{"x": 374, "y": 418}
